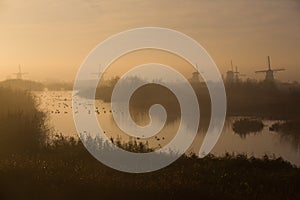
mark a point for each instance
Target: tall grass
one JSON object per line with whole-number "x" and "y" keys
{"x": 21, "y": 124}
{"x": 68, "y": 171}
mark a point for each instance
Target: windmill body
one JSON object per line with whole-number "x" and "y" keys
{"x": 231, "y": 75}
{"x": 237, "y": 74}
{"x": 269, "y": 75}
{"x": 195, "y": 77}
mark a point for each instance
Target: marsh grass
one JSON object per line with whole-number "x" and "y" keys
{"x": 68, "y": 171}
{"x": 64, "y": 169}
{"x": 22, "y": 126}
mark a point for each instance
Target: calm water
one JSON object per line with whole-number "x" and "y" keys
{"x": 58, "y": 105}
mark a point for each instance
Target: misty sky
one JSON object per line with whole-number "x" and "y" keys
{"x": 51, "y": 38}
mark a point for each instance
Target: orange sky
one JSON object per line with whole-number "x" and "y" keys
{"x": 50, "y": 38}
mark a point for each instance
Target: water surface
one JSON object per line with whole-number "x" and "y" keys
{"x": 58, "y": 105}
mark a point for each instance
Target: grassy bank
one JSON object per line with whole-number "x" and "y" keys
{"x": 69, "y": 172}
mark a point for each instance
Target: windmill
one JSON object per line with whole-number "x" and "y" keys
{"x": 20, "y": 74}
{"x": 230, "y": 74}
{"x": 237, "y": 74}
{"x": 196, "y": 74}
{"x": 269, "y": 72}
{"x": 195, "y": 77}
{"x": 99, "y": 73}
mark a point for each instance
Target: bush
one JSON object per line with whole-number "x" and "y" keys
{"x": 246, "y": 126}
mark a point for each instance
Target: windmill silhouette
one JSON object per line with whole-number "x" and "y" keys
{"x": 196, "y": 74}
{"x": 99, "y": 73}
{"x": 230, "y": 74}
{"x": 20, "y": 74}
{"x": 269, "y": 72}
{"x": 237, "y": 74}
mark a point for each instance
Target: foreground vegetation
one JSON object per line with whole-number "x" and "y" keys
{"x": 67, "y": 171}
{"x": 34, "y": 167}
{"x": 22, "y": 126}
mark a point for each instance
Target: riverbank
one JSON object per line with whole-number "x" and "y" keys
{"x": 69, "y": 172}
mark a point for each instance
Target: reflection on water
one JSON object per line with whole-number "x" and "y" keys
{"x": 291, "y": 139}
{"x": 58, "y": 105}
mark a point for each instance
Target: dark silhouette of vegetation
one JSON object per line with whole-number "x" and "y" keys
{"x": 22, "y": 85}
{"x": 244, "y": 98}
{"x": 57, "y": 86}
{"x": 263, "y": 99}
{"x": 245, "y": 126}
{"x": 65, "y": 170}
{"x": 21, "y": 124}
{"x": 133, "y": 146}
{"x": 104, "y": 90}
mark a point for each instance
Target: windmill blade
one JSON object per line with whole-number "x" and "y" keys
{"x": 98, "y": 73}
{"x": 276, "y": 70}
{"x": 261, "y": 71}
{"x": 269, "y": 62}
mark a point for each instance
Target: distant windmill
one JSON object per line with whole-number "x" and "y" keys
{"x": 237, "y": 74}
{"x": 269, "y": 72}
{"x": 195, "y": 77}
{"x": 196, "y": 74}
{"x": 99, "y": 73}
{"x": 20, "y": 74}
{"x": 230, "y": 74}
